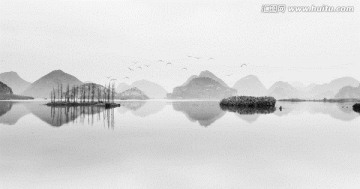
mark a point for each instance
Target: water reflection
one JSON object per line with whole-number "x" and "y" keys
{"x": 339, "y": 111}
{"x": 82, "y": 114}
{"x": 205, "y": 113}
{"x": 141, "y": 108}
{"x": 5, "y": 107}
{"x": 246, "y": 111}
{"x": 11, "y": 112}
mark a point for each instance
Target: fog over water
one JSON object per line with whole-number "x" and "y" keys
{"x": 162, "y": 144}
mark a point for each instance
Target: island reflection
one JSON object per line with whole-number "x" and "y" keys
{"x": 204, "y": 113}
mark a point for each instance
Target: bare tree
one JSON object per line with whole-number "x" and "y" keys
{"x": 67, "y": 93}
{"x": 61, "y": 92}
{"x": 92, "y": 92}
{"x": 113, "y": 92}
{"x": 89, "y": 91}
{"x": 99, "y": 94}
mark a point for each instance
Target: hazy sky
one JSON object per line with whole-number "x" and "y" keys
{"x": 95, "y": 39}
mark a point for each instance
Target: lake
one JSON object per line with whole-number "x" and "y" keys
{"x": 179, "y": 144}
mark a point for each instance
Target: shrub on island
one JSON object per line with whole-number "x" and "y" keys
{"x": 249, "y": 102}
{"x": 356, "y": 107}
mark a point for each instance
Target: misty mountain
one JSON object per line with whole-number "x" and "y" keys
{"x": 6, "y": 93}
{"x": 132, "y": 94}
{"x": 208, "y": 74}
{"x": 42, "y": 87}
{"x": 122, "y": 87}
{"x": 13, "y": 80}
{"x": 250, "y": 86}
{"x": 349, "y": 92}
{"x": 202, "y": 88}
{"x": 151, "y": 89}
{"x": 329, "y": 90}
{"x": 283, "y": 90}
{"x": 4, "y": 89}
{"x": 189, "y": 79}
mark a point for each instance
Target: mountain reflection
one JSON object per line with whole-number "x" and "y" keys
{"x": 5, "y": 107}
{"x": 141, "y": 108}
{"x": 11, "y": 112}
{"x": 339, "y": 111}
{"x": 203, "y": 112}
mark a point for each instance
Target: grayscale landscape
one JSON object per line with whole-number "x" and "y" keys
{"x": 179, "y": 94}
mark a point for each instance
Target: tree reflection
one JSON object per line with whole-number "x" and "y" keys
{"x": 247, "y": 110}
{"x": 82, "y": 115}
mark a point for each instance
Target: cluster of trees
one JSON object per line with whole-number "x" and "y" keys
{"x": 85, "y": 93}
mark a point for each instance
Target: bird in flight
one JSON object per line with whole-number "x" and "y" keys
{"x": 130, "y": 69}
{"x": 169, "y": 63}
{"x": 184, "y": 68}
{"x": 195, "y": 57}
{"x": 243, "y": 65}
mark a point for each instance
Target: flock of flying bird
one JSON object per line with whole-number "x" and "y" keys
{"x": 136, "y": 66}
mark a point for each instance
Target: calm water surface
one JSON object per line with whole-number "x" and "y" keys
{"x": 164, "y": 144}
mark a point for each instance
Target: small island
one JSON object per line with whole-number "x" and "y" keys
{"x": 249, "y": 102}
{"x": 89, "y": 94}
{"x": 356, "y": 107}
{"x": 249, "y": 105}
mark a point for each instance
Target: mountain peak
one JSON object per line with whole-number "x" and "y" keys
{"x": 57, "y": 72}
{"x": 207, "y": 73}
{"x": 43, "y": 86}
{"x": 250, "y": 86}
{"x": 13, "y": 80}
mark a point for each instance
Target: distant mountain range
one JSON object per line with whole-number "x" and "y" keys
{"x": 13, "y": 80}
{"x": 151, "y": 89}
{"x": 349, "y": 92}
{"x": 283, "y": 90}
{"x": 329, "y": 90}
{"x": 204, "y": 86}
{"x": 41, "y": 88}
